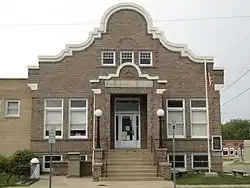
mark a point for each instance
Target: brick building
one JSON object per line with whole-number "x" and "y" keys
{"x": 127, "y": 69}
{"x": 15, "y": 115}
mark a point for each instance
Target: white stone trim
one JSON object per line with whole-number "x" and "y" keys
{"x": 160, "y": 91}
{"x": 156, "y": 33}
{"x": 218, "y": 68}
{"x": 162, "y": 81}
{"x": 218, "y": 87}
{"x": 33, "y": 86}
{"x": 97, "y": 91}
{"x": 33, "y": 67}
{"x": 117, "y": 74}
{"x": 129, "y": 83}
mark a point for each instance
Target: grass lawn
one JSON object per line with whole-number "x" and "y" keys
{"x": 3, "y": 180}
{"x": 199, "y": 179}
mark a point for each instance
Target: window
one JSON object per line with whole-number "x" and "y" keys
{"x": 225, "y": 152}
{"x": 78, "y": 118}
{"x": 216, "y": 143}
{"x": 84, "y": 158}
{"x": 108, "y": 58}
{"x": 53, "y": 116}
{"x": 199, "y": 161}
{"x": 12, "y": 108}
{"x": 127, "y": 57}
{"x": 145, "y": 58}
{"x": 232, "y": 151}
{"x": 46, "y": 161}
{"x": 180, "y": 160}
{"x": 175, "y": 114}
{"x": 198, "y": 119}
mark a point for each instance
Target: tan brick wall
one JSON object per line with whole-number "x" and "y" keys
{"x": 15, "y": 131}
{"x": 69, "y": 78}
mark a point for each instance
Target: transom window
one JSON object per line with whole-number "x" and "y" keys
{"x": 199, "y": 161}
{"x": 108, "y": 58}
{"x": 175, "y": 115}
{"x": 126, "y": 57}
{"x": 46, "y": 161}
{"x": 198, "y": 119}
{"x": 78, "y": 118}
{"x": 180, "y": 160}
{"x": 12, "y": 108}
{"x": 145, "y": 58}
{"x": 53, "y": 116}
{"x": 225, "y": 152}
{"x": 127, "y": 105}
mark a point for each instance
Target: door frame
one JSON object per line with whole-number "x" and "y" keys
{"x": 133, "y": 113}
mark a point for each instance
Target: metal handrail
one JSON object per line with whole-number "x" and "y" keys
{"x": 153, "y": 150}
{"x": 18, "y": 170}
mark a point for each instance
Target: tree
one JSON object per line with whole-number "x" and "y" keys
{"x": 236, "y": 129}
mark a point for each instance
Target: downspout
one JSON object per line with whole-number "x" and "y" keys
{"x": 93, "y": 131}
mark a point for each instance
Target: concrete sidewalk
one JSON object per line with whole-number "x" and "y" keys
{"x": 63, "y": 182}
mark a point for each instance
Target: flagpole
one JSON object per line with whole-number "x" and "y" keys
{"x": 207, "y": 116}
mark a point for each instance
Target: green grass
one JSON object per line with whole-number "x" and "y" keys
{"x": 4, "y": 178}
{"x": 240, "y": 163}
{"x": 200, "y": 179}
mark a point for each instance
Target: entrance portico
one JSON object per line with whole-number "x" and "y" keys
{"x": 129, "y": 101}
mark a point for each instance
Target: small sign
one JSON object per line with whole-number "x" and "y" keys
{"x": 52, "y": 136}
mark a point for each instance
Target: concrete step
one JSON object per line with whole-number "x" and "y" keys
{"x": 132, "y": 174}
{"x": 134, "y": 167}
{"x": 132, "y": 179}
{"x": 130, "y": 163}
{"x": 132, "y": 171}
{"x": 134, "y": 160}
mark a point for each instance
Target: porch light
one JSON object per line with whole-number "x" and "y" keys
{"x": 160, "y": 114}
{"x": 98, "y": 114}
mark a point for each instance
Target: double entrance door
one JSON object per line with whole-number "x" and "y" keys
{"x": 127, "y": 131}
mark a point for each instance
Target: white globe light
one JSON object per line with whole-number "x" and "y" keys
{"x": 160, "y": 113}
{"x": 98, "y": 113}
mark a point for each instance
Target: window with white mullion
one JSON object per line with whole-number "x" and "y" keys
{"x": 180, "y": 160}
{"x": 78, "y": 118}
{"x": 126, "y": 57}
{"x": 175, "y": 114}
{"x": 12, "y": 108}
{"x": 198, "y": 118}
{"x": 145, "y": 58}
{"x": 108, "y": 58}
{"x": 53, "y": 116}
{"x": 46, "y": 161}
{"x": 199, "y": 161}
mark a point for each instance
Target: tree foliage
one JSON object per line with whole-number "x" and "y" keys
{"x": 236, "y": 129}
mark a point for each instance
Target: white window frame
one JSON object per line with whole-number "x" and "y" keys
{"x": 151, "y": 59}
{"x": 47, "y": 169}
{"x": 225, "y": 149}
{"x": 231, "y": 150}
{"x": 184, "y": 116}
{"x": 199, "y": 154}
{"x": 200, "y": 109}
{"x": 114, "y": 59}
{"x": 6, "y": 108}
{"x": 185, "y": 159}
{"x": 52, "y": 108}
{"x": 85, "y": 157}
{"x": 83, "y": 108}
{"x": 213, "y": 142}
{"x": 126, "y": 52}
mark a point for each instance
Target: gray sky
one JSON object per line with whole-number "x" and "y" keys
{"x": 27, "y": 30}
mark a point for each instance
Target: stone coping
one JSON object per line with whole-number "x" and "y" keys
{"x": 97, "y": 164}
{"x": 165, "y": 164}
{"x": 161, "y": 149}
{"x": 73, "y": 153}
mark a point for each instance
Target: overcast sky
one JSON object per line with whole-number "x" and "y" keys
{"x": 29, "y": 28}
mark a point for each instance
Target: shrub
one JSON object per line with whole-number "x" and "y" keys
{"x": 22, "y": 157}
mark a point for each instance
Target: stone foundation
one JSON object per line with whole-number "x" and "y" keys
{"x": 163, "y": 166}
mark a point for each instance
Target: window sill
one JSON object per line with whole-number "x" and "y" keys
{"x": 78, "y": 137}
{"x": 176, "y": 136}
{"x": 149, "y": 65}
{"x": 57, "y": 137}
{"x": 199, "y": 137}
{"x": 108, "y": 65}
{"x": 12, "y": 117}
